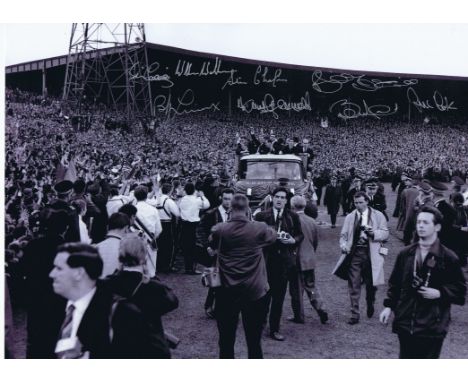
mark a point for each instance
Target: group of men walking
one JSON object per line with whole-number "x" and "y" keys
{"x": 427, "y": 276}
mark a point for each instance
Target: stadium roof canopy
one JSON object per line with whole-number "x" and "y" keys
{"x": 62, "y": 60}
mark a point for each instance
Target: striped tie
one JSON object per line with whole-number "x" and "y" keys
{"x": 66, "y": 329}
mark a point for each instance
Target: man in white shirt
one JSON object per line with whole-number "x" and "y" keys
{"x": 116, "y": 201}
{"x": 148, "y": 220}
{"x": 190, "y": 206}
{"x": 119, "y": 225}
{"x": 168, "y": 213}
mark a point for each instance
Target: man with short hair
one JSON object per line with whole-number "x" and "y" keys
{"x": 168, "y": 213}
{"x": 119, "y": 225}
{"x": 302, "y": 275}
{"x": 244, "y": 286}
{"x": 364, "y": 230}
{"x": 190, "y": 206}
{"x": 147, "y": 218}
{"x": 91, "y": 313}
{"x": 85, "y": 329}
{"x": 332, "y": 199}
{"x": 425, "y": 281}
{"x": 280, "y": 256}
{"x": 220, "y": 214}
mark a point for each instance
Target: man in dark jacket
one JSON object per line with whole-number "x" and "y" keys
{"x": 332, "y": 199}
{"x": 376, "y": 197}
{"x": 216, "y": 215}
{"x": 244, "y": 278}
{"x": 281, "y": 255}
{"x": 426, "y": 280}
{"x": 63, "y": 190}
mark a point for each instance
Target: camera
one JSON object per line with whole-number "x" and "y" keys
{"x": 417, "y": 282}
{"x": 283, "y": 235}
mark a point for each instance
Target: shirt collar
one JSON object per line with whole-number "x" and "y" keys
{"x": 83, "y": 302}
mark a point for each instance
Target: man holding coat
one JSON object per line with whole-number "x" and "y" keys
{"x": 362, "y": 259}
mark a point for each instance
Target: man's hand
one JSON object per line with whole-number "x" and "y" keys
{"x": 289, "y": 240}
{"x": 429, "y": 293}
{"x": 369, "y": 232}
{"x": 385, "y": 315}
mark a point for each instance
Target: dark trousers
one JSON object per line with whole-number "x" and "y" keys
{"x": 360, "y": 271}
{"x": 413, "y": 347}
{"x": 210, "y": 298}
{"x": 318, "y": 192}
{"x": 165, "y": 247}
{"x": 278, "y": 281}
{"x": 300, "y": 281}
{"x": 229, "y": 304}
{"x": 333, "y": 218}
{"x": 187, "y": 243}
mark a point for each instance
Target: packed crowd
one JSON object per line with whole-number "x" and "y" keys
{"x": 106, "y": 179}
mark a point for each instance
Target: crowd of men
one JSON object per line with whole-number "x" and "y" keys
{"x": 83, "y": 198}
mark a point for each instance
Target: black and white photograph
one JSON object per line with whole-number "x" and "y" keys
{"x": 229, "y": 190}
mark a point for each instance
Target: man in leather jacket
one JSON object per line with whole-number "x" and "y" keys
{"x": 427, "y": 278}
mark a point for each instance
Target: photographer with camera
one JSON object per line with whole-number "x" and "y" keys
{"x": 426, "y": 279}
{"x": 362, "y": 255}
{"x": 244, "y": 284}
{"x": 281, "y": 255}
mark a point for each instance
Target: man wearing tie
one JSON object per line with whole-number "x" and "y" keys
{"x": 363, "y": 232}
{"x": 377, "y": 198}
{"x": 280, "y": 256}
{"x": 85, "y": 330}
{"x": 214, "y": 216}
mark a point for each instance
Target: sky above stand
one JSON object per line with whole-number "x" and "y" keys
{"x": 439, "y": 49}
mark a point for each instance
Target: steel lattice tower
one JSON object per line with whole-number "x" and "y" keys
{"x": 108, "y": 63}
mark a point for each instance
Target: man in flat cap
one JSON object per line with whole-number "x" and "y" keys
{"x": 408, "y": 196}
{"x": 457, "y": 186}
{"x": 63, "y": 190}
{"x": 376, "y": 198}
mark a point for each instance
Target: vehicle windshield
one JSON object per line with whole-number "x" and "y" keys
{"x": 273, "y": 170}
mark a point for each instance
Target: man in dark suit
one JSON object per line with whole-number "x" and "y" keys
{"x": 302, "y": 276}
{"x": 332, "y": 199}
{"x": 214, "y": 216}
{"x": 86, "y": 331}
{"x": 376, "y": 198}
{"x": 63, "y": 190}
{"x": 281, "y": 255}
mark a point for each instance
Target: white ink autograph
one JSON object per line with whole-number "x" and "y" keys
{"x": 151, "y": 75}
{"x": 270, "y": 105}
{"x": 438, "y": 101}
{"x": 335, "y": 82}
{"x": 261, "y": 76}
{"x": 184, "y": 68}
{"x": 164, "y": 104}
{"x": 231, "y": 81}
{"x": 350, "y": 110}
